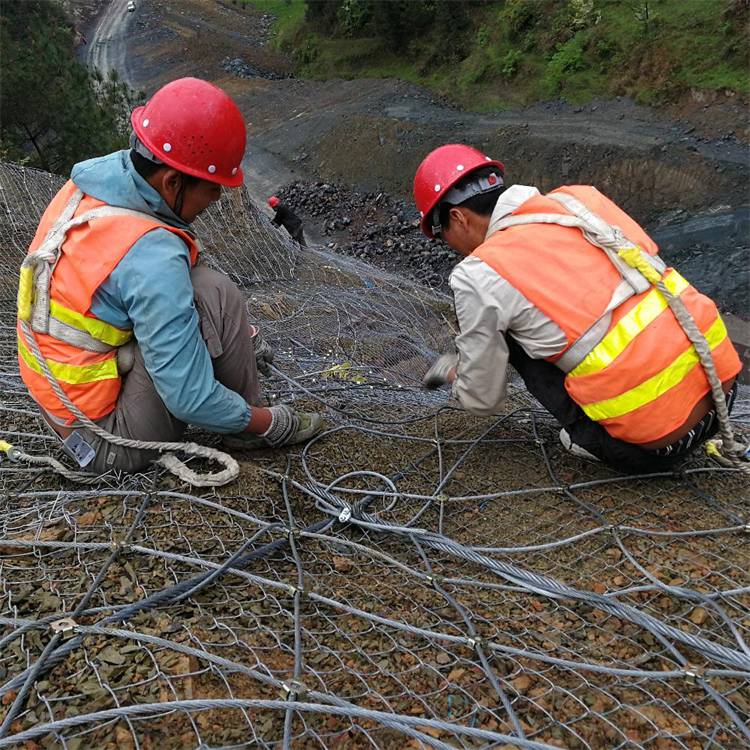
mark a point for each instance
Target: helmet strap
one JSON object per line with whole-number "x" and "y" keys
{"x": 458, "y": 195}
{"x": 137, "y": 145}
{"x": 180, "y": 198}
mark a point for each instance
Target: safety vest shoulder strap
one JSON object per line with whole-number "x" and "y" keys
{"x": 50, "y": 316}
{"x": 611, "y": 241}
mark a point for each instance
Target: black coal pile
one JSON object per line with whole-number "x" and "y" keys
{"x": 372, "y": 226}
{"x": 238, "y": 67}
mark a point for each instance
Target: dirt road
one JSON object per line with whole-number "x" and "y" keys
{"x": 109, "y": 40}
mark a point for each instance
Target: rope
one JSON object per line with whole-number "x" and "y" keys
{"x": 35, "y": 271}
{"x": 16, "y": 454}
{"x": 168, "y": 461}
{"x": 727, "y": 448}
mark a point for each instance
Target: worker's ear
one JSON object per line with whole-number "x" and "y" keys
{"x": 172, "y": 182}
{"x": 458, "y": 219}
{"x": 167, "y": 183}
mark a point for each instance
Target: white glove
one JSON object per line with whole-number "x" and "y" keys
{"x": 284, "y": 423}
{"x": 437, "y": 375}
{"x": 289, "y": 426}
{"x": 263, "y": 353}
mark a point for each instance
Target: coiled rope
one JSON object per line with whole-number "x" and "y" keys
{"x": 169, "y": 461}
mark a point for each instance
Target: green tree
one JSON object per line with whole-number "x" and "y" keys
{"x": 53, "y": 112}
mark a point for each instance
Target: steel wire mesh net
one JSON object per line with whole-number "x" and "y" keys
{"x": 414, "y": 577}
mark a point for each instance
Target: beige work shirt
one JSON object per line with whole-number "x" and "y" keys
{"x": 488, "y": 307}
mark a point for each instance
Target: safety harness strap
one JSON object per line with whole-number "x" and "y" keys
{"x": 83, "y": 331}
{"x": 609, "y": 239}
{"x": 580, "y": 349}
{"x": 50, "y": 317}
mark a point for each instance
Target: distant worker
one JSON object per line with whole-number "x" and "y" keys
{"x": 140, "y": 337}
{"x": 286, "y": 218}
{"x": 562, "y": 287}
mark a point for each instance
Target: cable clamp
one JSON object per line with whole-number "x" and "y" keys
{"x": 442, "y": 498}
{"x": 434, "y": 580}
{"x": 292, "y": 533}
{"x": 63, "y": 625}
{"x": 474, "y": 642}
{"x": 747, "y": 528}
{"x": 302, "y": 590}
{"x": 292, "y": 688}
{"x": 694, "y": 673}
{"x": 345, "y": 515}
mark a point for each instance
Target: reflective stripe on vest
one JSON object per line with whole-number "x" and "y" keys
{"x": 628, "y": 327}
{"x": 94, "y": 327}
{"x": 73, "y": 374}
{"x": 657, "y": 385}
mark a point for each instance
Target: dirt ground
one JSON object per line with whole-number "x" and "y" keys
{"x": 352, "y": 574}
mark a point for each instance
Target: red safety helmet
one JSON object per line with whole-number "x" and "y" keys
{"x": 273, "y": 201}
{"x": 440, "y": 170}
{"x": 195, "y": 127}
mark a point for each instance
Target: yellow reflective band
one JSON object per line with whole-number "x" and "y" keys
{"x": 72, "y": 374}
{"x": 628, "y": 327}
{"x": 25, "y": 292}
{"x": 657, "y": 385}
{"x": 96, "y": 328}
{"x": 636, "y": 258}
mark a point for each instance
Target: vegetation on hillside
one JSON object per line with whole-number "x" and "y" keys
{"x": 53, "y": 111}
{"x": 495, "y": 53}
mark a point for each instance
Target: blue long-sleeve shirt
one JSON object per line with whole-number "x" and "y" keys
{"x": 150, "y": 293}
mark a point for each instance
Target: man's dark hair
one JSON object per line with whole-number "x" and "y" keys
{"x": 145, "y": 167}
{"x": 482, "y": 204}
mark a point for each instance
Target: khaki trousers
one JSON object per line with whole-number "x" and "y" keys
{"x": 140, "y": 413}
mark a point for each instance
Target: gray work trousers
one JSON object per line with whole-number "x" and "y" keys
{"x": 140, "y": 413}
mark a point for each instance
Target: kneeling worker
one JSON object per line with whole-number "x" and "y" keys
{"x": 562, "y": 287}
{"x": 139, "y": 337}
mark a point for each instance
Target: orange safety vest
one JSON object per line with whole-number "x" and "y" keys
{"x": 637, "y": 374}
{"x": 80, "y": 349}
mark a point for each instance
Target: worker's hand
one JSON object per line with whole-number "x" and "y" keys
{"x": 443, "y": 371}
{"x": 263, "y": 353}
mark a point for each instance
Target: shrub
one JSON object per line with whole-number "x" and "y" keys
{"x": 568, "y": 59}
{"x": 510, "y": 63}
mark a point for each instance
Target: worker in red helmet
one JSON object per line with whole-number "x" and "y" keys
{"x": 285, "y": 217}
{"x": 141, "y": 337}
{"x": 567, "y": 288}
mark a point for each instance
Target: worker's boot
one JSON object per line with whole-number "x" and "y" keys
{"x": 288, "y": 427}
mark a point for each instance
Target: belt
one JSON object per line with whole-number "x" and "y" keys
{"x": 61, "y": 430}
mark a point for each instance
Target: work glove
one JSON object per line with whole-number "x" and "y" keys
{"x": 263, "y": 353}
{"x": 437, "y": 375}
{"x": 289, "y": 426}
